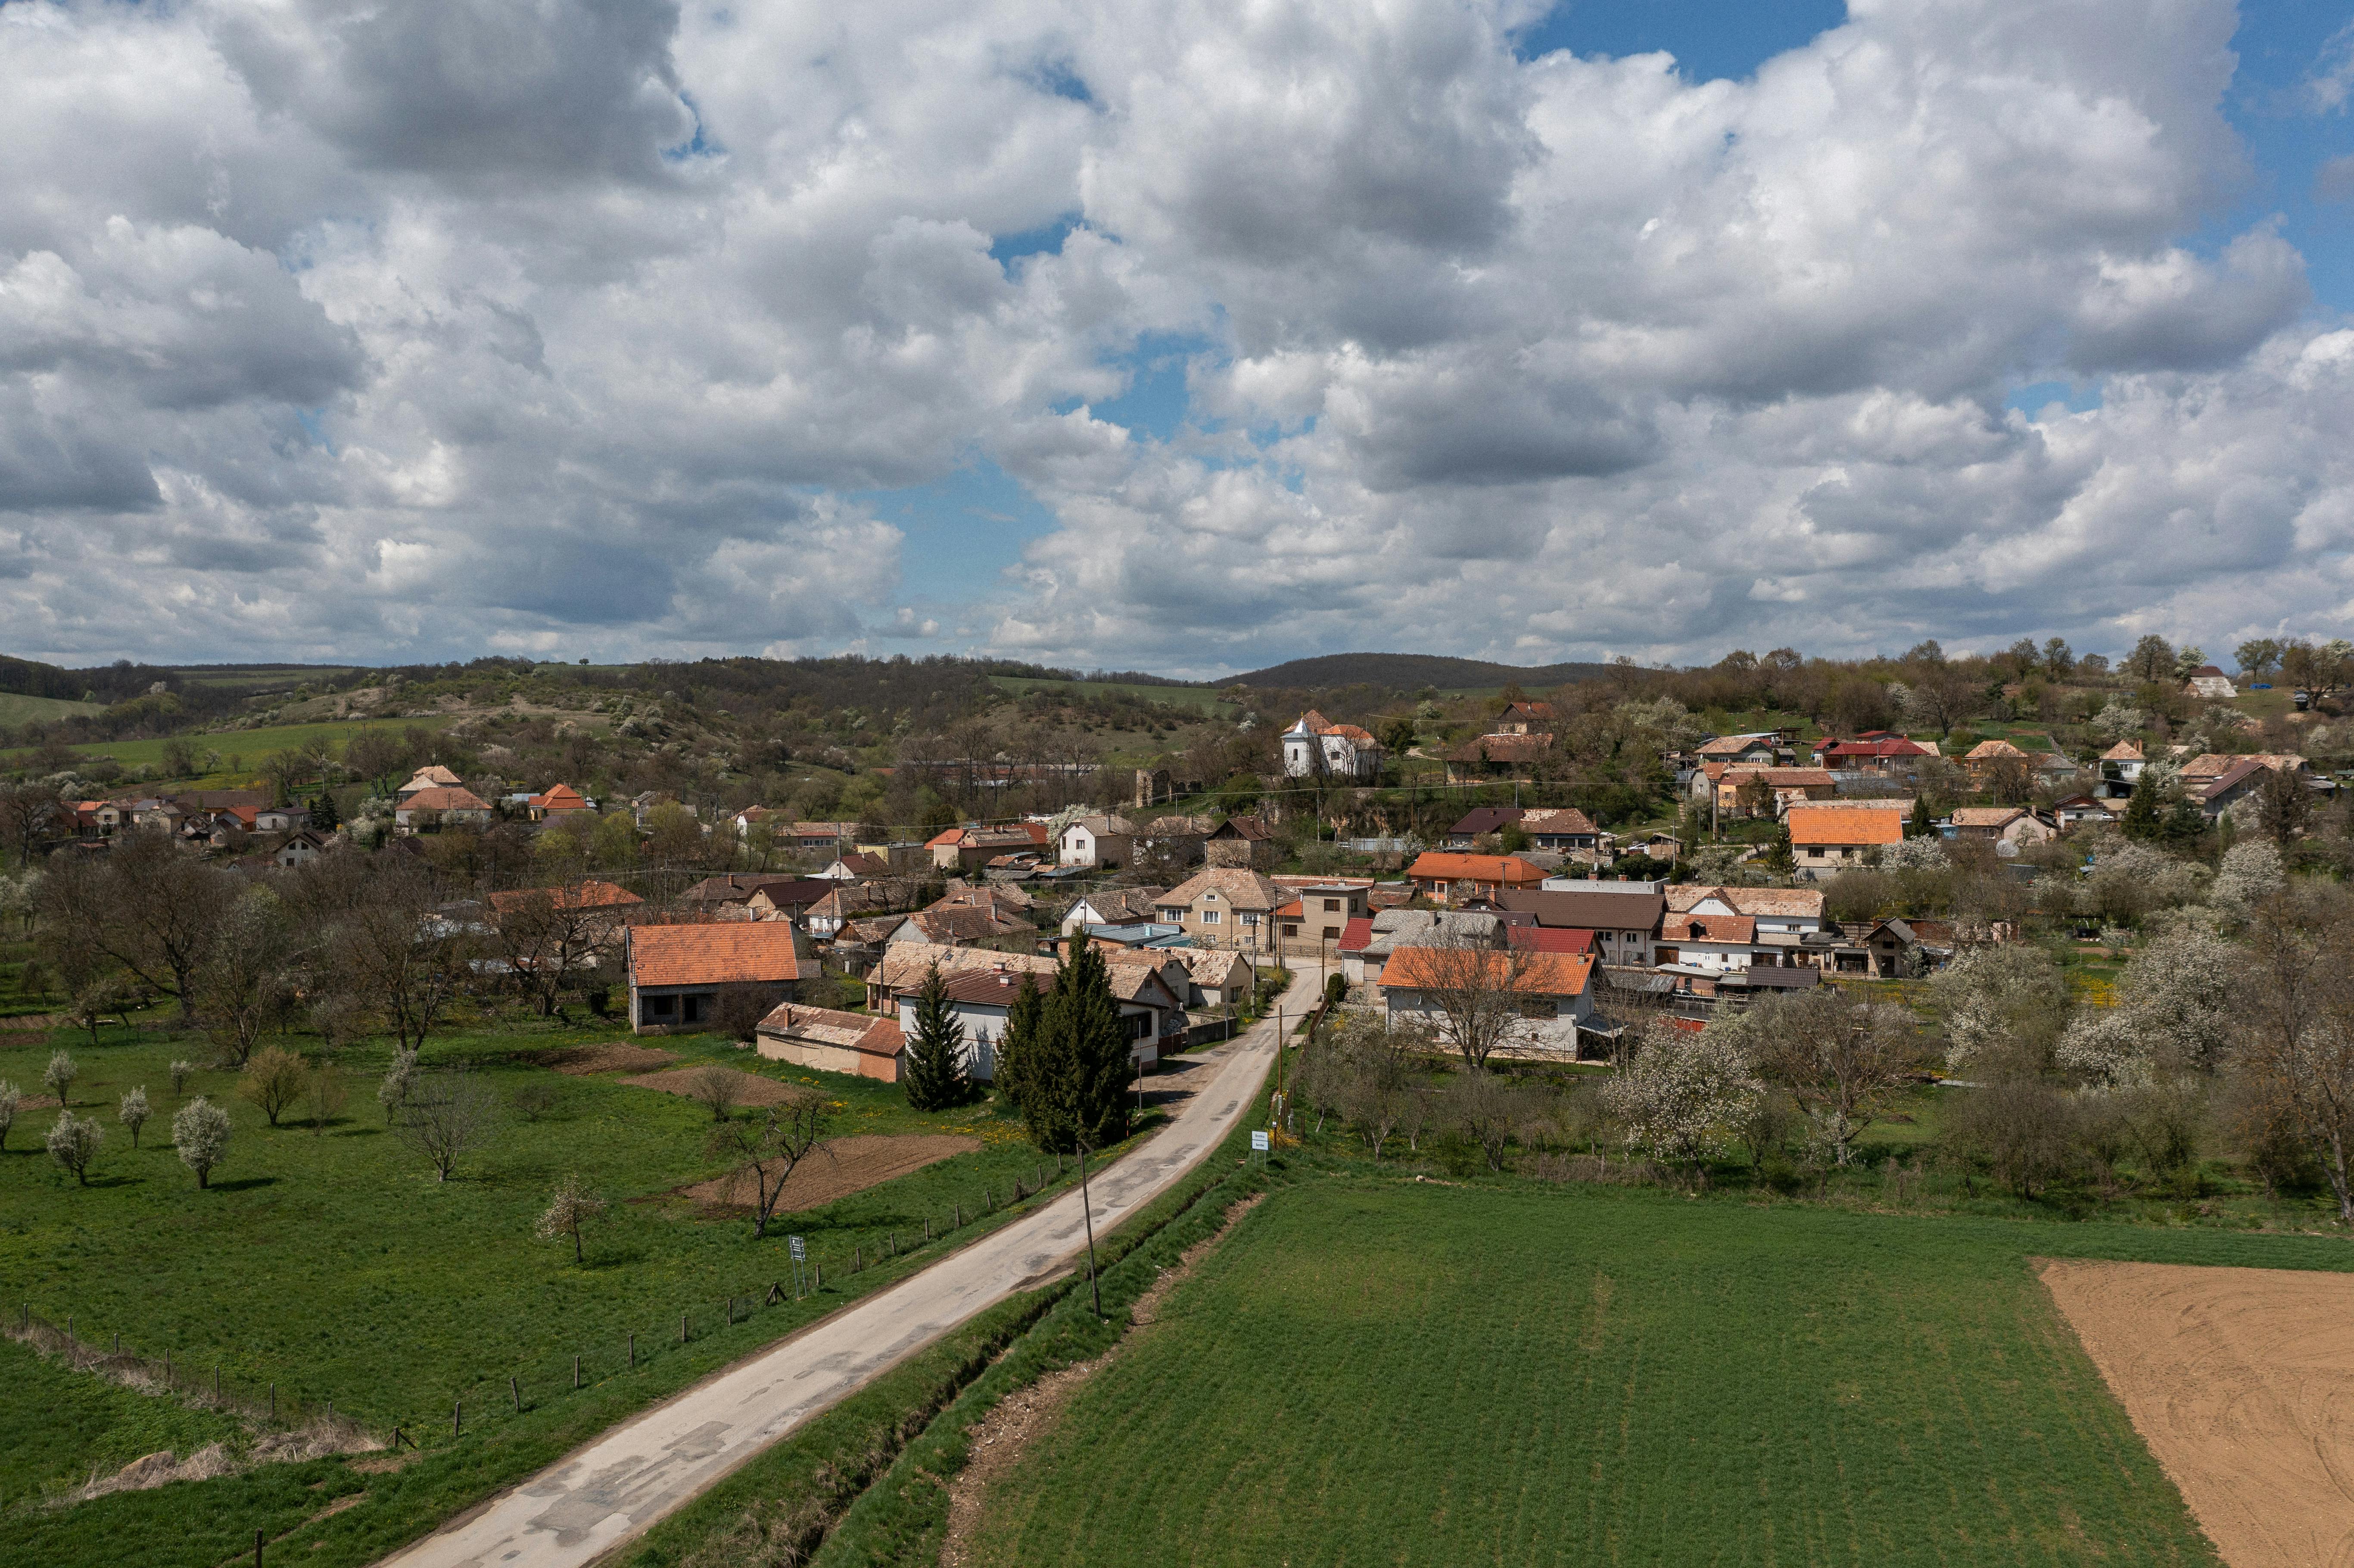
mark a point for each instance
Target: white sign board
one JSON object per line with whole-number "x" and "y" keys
{"x": 1259, "y": 1141}
{"x": 799, "y": 1251}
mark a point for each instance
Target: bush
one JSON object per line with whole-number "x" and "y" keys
{"x": 273, "y": 1079}
{"x": 73, "y": 1143}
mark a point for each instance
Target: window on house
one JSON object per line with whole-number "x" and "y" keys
{"x": 661, "y": 1007}
{"x": 1289, "y": 929}
{"x": 1211, "y": 916}
{"x": 1139, "y": 1026}
{"x": 1539, "y": 1007}
{"x": 1250, "y": 919}
{"x": 691, "y": 1009}
{"x": 1331, "y": 903}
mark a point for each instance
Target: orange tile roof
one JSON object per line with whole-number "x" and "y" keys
{"x": 1439, "y": 865}
{"x": 743, "y": 953}
{"x": 1709, "y": 928}
{"x": 591, "y": 894}
{"x": 1825, "y": 824}
{"x": 1542, "y": 973}
{"x": 561, "y": 798}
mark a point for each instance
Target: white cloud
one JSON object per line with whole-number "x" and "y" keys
{"x": 339, "y": 330}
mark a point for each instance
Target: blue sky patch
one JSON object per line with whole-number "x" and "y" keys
{"x": 1710, "y": 38}
{"x": 962, "y": 530}
{"x": 2037, "y": 396}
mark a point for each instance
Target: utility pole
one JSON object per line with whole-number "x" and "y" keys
{"x": 1087, "y": 1212}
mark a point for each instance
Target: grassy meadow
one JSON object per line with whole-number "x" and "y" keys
{"x": 335, "y": 1264}
{"x": 1376, "y": 1371}
{"x": 16, "y": 708}
{"x": 243, "y": 750}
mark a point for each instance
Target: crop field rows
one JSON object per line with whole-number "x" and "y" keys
{"x": 1374, "y": 1372}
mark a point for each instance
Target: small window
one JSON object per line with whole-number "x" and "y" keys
{"x": 1250, "y": 919}
{"x": 1212, "y": 917}
{"x": 1289, "y": 929}
{"x": 661, "y": 1007}
{"x": 1331, "y": 903}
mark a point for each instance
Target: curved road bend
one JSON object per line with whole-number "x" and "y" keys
{"x": 616, "y": 1486}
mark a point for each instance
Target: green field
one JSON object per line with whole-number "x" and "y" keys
{"x": 248, "y": 746}
{"x": 335, "y": 1266}
{"x": 1371, "y": 1371}
{"x": 1198, "y": 699}
{"x": 16, "y": 708}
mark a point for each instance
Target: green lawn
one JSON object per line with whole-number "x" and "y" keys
{"x": 338, "y": 1268}
{"x": 16, "y": 708}
{"x": 1370, "y": 1372}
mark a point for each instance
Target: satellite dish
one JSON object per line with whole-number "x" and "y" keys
{"x": 2005, "y": 848}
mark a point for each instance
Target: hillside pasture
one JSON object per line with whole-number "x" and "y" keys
{"x": 1375, "y": 1372}
{"x": 248, "y": 745}
{"x": 1195, "y": 699}
{"x": 16, "y": 708}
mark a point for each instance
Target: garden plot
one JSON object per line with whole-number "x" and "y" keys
{"x": 2242, "y": 1381}
{"x": 838, "y": 1169}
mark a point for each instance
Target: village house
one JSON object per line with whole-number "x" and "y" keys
{"x": 1881, "y": 754}
{"x": 680, "y": 976}
{"x": 558, "y": 801}
{"x": 300, "y": 849}
{"x": 855, "y": 900}
{"x": 1315, "y": 747}
{"x": 1105, "y": 844}
{"x": 433, "y": 775}
{"x": 858, "y": 1043}
{"x": 981, "y": 987}
{"x": 1906, "y": 948}
{"x": 1774, "y": 789}
{"x": 1521, "y": 718}
{"x": 1761, "y": 749}
{"x": 1553, "y": 992}
{"x": 1622, "y": 916}
{"x": 1562, "y": 828}
{"x": 1984, "y": 762}
{"x": 1451, "y": 878}
{"x": 971, "y": 848}
{"x": 1224, "y": 906}
{"x": 1711, "y": 944}
{"x": 2210, "y": 682}
{"x": 1111, "y": 906}
{"x": 1496, "y": 757}
{"x": 960, "y": 926}
{"x": 1778, "y": 912}
{"x": 2003, "y": 824}
{"x": 2081, "y": 808}
{"x": 1825, "y": 840}
{"x": 1479, "y": 822}
{"x": 449, "y": 805}
{"x": 1317, "y": 919}
{"x": 589, "y": 895}
{"x": 1240, "y": 843}
{"x": 2120, "y": 769}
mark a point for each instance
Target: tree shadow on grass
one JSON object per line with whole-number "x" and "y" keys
{"x": 243, "y": 1183}
{"x": 622, "y": 1259}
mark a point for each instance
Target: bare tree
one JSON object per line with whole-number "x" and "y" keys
{"x": 29, "y": 813}
{"x": 240, "y": 978}
{"x": 715, "y": 1087}
{"x": 148, "y": 905}
{"x": 767, "y": 1146}
{"x": 2024, "y": 1129}
{"x": 1478, "y": 992}
{"x": 325, "y": 1097}
{"x": 1843, "y": 1060}
{"x": 449, "y": 1115}
{"x": 2293, "y": 1046}
{"x": 395, "y": 951}
{"x": 1487, "y": 1108}
{"x": 547, "y": 937}
{"x": 571, "y": 1207}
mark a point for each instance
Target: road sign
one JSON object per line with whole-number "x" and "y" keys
{"x": 800, "y": 1252}
{"x": 1258, "y": 1140}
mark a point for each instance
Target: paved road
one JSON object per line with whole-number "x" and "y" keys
{"x": 618, "y": 1485}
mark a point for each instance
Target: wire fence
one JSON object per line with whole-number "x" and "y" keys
{"x": 830, "y": 1272}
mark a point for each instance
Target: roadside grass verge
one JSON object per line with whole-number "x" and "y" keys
{"x": 1375, "y": 1370}
{"x": 336, "y": 1267}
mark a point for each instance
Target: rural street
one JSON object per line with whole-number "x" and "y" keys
{"x": 613, "y": 1488}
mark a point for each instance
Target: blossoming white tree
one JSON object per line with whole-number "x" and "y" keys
{"x": 1683, "y": 1093}
{"x": 2172, "y": 1012}
{"x": 2002, "y": 998}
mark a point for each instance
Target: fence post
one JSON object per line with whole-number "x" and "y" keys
{"x": 928, "y": 1227}
{"x": 682, "y": 1327}
{"x": 273, "y": 1402}
{"x": 457, "y": 1417}
{"x": 69, "y": 1331}
{"x": 117, "y": 1341}
{"x": 634, "y": 1352}
{"x": 958, "y": 1210}
{"x": 515, "y": 1389}
{"x": 217, "y": 1382}
{"x": 575, "y": 1372}
{"x": 256, "y": 1549}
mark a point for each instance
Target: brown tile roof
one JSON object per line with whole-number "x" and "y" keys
{"x": 1558, "y": 820}
{"x": 1481, "y": 819}
{"x": 1542, "y": 974}
{"x": 445, "y": 799}
{"x": 1787, "y": 902}
{"x": 1709, "y": 928}
{"x": 434, "y": 773}
{"x": 736, "y": 954}
{"x": 1235, "y": 885}
{"x": 904, "y": 966}
{"x": 1733, "y": 745}
{"x": 1440, "y": 866}
{"x": 1501, "y": 748}
{"x": 860, "y": 1032}
{"x": 2123, "y": 751}
{"x": 967, "y": 923}
{"x": 587, "y": 895}
{"x": 1633, "y": 910}
{"x": 1784, "y": 777}
{"x": 1813, "y": 824}
{"x": 560, "y": 798}
{"x": 1250, "y": 828}
{"x": 1989, "y": 750}
{"x": 1987, "y": 816}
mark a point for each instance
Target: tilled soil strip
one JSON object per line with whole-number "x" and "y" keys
{"x": 999, "y": 1442}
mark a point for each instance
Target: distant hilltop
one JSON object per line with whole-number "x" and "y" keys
{"x": 1411, "y": 672}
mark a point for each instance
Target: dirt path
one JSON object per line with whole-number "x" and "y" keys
{"x": 1003, "y": 1437}
{"x": 2242, "y": 1383}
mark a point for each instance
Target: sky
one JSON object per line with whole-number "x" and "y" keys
{"x": 1186, "y": 336}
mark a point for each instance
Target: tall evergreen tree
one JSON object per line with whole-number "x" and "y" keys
{"x": 1073, "y": 1069}
{"x": 1919, "y": 825}
{"x": 324, "y": 818}
{"x": 2141, "y": 814}
{"x": 1015, "y": 1075}
{"x": 935, "y": 1075}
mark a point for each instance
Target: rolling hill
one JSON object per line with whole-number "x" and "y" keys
{"x": 1412, "y": 672}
